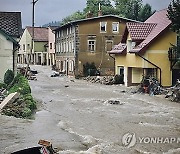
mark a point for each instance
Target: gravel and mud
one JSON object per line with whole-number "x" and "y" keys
{"x": 79, "y": 117}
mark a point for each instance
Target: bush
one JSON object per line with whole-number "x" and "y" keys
{"x": 8, "y": 77}
{"x": 119, "y": 79}
{"x": 26, "y": 112}
{"x": 90, "y": 69}
{"x": 2, "y": 85}
{"x": 20, "y": 84}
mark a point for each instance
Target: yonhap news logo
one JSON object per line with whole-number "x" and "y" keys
{"x": 130, "y": 139}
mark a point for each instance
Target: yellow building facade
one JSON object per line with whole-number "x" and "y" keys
{"x": 146, "y": 54}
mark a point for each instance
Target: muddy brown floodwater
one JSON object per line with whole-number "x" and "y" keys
{"x": 76, "y": 117}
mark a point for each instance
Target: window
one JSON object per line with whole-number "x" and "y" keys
{"x": 64, "y": 46}
{"x": 115, "y": 27}
{"x": 50, "y": 45}
{"x": 103, "y": 27}
{"x": 70, "y": 30}
{"x": 24, "y": 46}
{"x": 91, "y": 45}
{"x": 120, "y": 70}
{"x": 72, "y": 46}
{"x": 151, "y": 72}
{"x": 109, "y": 45}
{"x": 130, "y": 45}
{"x": 67, "y": 31}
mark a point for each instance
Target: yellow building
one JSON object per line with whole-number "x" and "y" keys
{"x": 143, "y": 51}
{"x": 88, "y": 40}
{"x": 36, "y": 54}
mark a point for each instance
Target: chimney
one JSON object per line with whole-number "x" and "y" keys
{"x": 89, "y": 15}
{"x": 99, "y": 11}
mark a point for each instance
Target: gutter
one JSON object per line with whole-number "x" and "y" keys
{"x": 114, "y": 61}
{"x": 153, "y": 65}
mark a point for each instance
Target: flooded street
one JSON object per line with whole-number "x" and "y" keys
{"x": 77, "y": 118}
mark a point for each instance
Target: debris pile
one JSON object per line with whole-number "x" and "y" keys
{"x": 29, "y": 73}
{"x": 151, "y": 86}
{"x": 174, "y": 92}
{"x": 107, "y": 80}
{"x": 2, "y": 94}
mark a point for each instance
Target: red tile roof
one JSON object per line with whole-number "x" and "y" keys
{"x": 162, "y": 21}
{"x": 140, "y": 31}
{"x": 146, "y": 32}
{"x": 40, "y": 33}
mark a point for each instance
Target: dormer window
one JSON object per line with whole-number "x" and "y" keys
{"x": 103, "y": 26}
{"x": 130, "y": 45}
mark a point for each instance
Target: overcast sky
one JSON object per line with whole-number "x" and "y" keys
{"x": 55, "y": 10}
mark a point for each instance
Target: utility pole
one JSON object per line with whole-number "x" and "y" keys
{"x": 28, "y": 59}
{"x": 33, "y": 16}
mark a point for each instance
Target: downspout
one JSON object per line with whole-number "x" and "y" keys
{"x": 114, "y": 62}
{"x": 15, "y": 48}
{"x": 153, "y": 65}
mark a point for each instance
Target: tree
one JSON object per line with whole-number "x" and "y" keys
{"x": 174, "y": 15}
{"x": 75, "y": 16}
{"x": 145, "y": 12}
{"x": 8, "y": 77}
{"x": 93, "y": 7}
{"x": 133, "y": 9}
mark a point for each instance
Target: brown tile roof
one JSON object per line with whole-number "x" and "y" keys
{"x": 40, "y": 33}
{"x": 10, "y": 22}
{"x": 118, "y": 49}
{"x": 140, "y": 31}
{"x": 162, "y": 21}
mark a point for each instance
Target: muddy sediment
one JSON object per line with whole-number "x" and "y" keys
{"x": 82, "y": 117}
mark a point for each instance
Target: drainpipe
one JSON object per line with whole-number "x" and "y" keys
{"x": 114, "y": 62}
{"x": 15, "y": 48}
{"x": 152, "y": 64}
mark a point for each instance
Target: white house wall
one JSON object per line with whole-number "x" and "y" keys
{"x": 6, "y": 56}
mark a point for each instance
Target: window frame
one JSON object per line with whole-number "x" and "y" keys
{"x": 103, "y": 31}
{"x": 88, "y": 45}
{"x": 117, "y": 31}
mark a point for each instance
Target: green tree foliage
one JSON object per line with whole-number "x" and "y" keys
{"x": 8, "y": 77}
{"x": 93, "y": 7}
{"x": 174, "y": 15}
{"x": 133, "y": 9}
{"x": 20, "y": 84}
{"x": 145, "y": 12}
{"x": 90, "y": 69}
{"x": 75, "y": 16}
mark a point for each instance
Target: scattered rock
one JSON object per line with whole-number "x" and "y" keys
{"x": 113, "y": 102}
{"x": 107, "y": 80}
